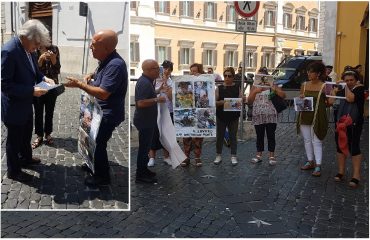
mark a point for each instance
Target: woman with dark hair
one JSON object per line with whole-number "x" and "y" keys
{"x": 163, "y": 82}
{"x": 49, "y": 65}
{"x": 313, "y": 125}
{"x": 195, "y": 69}
{"x": 264, "y": 118}
{"x": 224, "y": 119}
{"x": 353, "y": 104}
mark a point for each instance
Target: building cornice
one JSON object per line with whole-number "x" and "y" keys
{"x": 296, "y": 38}
{"x": 142, "y": 21}
{"x": 223, "y": 30}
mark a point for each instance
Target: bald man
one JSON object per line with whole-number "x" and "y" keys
{"x": 109, "y": 88}
{"x": 145, "y": 117}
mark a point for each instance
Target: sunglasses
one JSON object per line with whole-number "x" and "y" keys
{"x": 228, "y": 75}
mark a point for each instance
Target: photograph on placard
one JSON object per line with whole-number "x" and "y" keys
{"x": 329, "y": 89}
{"x": 264, "y": 81}
{"x": 232, "y": 104}
{"x": 206, "y": 118}
{"x": 184, "y": 94}
{"x": 303, "y": 104}
{"x": 184, "y": 118}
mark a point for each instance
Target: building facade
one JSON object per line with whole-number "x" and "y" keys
{"x": 344, "y": 37}
{"x": 71, "y": 31}
{"x": 204, "y": 32}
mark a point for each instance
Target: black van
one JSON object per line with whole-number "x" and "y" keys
{"x": 291, "y": 73}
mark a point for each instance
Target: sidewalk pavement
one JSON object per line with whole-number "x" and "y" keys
{"x": 58, "y": 182}
{"x": 247, "y": 200}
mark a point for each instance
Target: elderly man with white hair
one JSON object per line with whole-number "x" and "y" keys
{"x": 19, "y": 75}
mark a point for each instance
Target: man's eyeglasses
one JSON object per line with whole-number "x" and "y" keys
{"x": 228, "y": 76}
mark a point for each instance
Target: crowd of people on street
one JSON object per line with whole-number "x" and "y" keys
{"x": 29, "y": 58}
{"x": 154, "y": 88}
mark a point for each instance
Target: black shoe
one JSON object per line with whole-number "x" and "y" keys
{"x": 94, "y": 181}
{"x": 85, "y": 168}
{"x": 20, "y": 176}
{"x": 150, "y": 173}
{"x": 33, "y": 161}
{"x": 144, "y": 178}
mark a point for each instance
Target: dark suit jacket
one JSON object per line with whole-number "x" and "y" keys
{"x": 17, "y": 83}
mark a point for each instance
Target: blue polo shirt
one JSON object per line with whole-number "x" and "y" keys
{"x": 145, "y": 117}
{"x": 111, "y": 76}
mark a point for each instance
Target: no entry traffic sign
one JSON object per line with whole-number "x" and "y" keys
{"x": 246, "y": 8}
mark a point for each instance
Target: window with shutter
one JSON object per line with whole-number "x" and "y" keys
{"x": 187, "y": 9}
{"x": 40, "y": 9}
{"x": 255, "y": 59}
{"x": 272, "y": 60}
{"x": 210, "y": 11}
{"x": 235, "y": 62}
{"x": 133, "y": 5}
{"x": 230, "y": 13}
{"x": 134, "y": 52}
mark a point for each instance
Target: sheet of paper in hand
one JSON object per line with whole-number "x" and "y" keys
{"x": 47, "y": 86}
{"x": 264, "y": 81}
{"x": 303, "y": 104}
{"x": 330, "y": 86}
{"x": 232, "y": 104}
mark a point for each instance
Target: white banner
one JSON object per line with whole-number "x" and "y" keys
{"x": 194, "y": 106}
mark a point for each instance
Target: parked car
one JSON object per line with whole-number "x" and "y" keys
{"x": 291, "y": 73}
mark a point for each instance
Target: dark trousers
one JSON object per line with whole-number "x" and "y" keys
{"x": 145, "y": 140}
{"x": 18, "y": 145}
{"x": 270, "y": 132}
{"x": 232, "y": 126}
{"x": 101, "y": 164}
{"x": 46, "y": 102}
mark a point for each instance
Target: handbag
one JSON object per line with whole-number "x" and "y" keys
{"x": 278, "y": 102}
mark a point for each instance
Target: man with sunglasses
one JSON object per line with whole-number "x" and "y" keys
{"x": 145, "y": 118}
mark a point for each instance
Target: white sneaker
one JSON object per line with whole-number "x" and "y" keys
{"x": 151, "y": 162}
{"x": 167, "y": 160}
{"x": 217, "y": 160}
{"x": 234, "y": 160}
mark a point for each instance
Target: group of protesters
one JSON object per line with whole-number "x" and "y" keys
{"x": 155, "y": 88}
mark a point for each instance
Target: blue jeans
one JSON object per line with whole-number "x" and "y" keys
{"x": 101, "y": 164}
{"x": 145, "y": 140}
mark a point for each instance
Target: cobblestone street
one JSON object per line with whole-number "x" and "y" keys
{"x": 246, "y": 200}
{"x": 58, "y": 182}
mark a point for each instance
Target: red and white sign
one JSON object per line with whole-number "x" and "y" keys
{"x": 246, "y": 8}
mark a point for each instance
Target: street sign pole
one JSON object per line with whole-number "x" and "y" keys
{"x": 245, "y": 9}
{"x": 242, "y": 87}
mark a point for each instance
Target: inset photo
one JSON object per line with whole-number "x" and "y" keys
{"x": 64, "y": 106}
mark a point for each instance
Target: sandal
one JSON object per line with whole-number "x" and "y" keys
{"x": 198, "y": 162}
{"x": 354, "y": 183}
{"x": 49, "y": 140}
{"x": 256, "y": 159}
{"x": 317, "y": 171}
{"x": 338, "y": 177}
{"x": 272, "y": 161}
{"x": 308, "y": 165}
{"x": 185, "y": 163}
{"x": 37, "y": 143}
